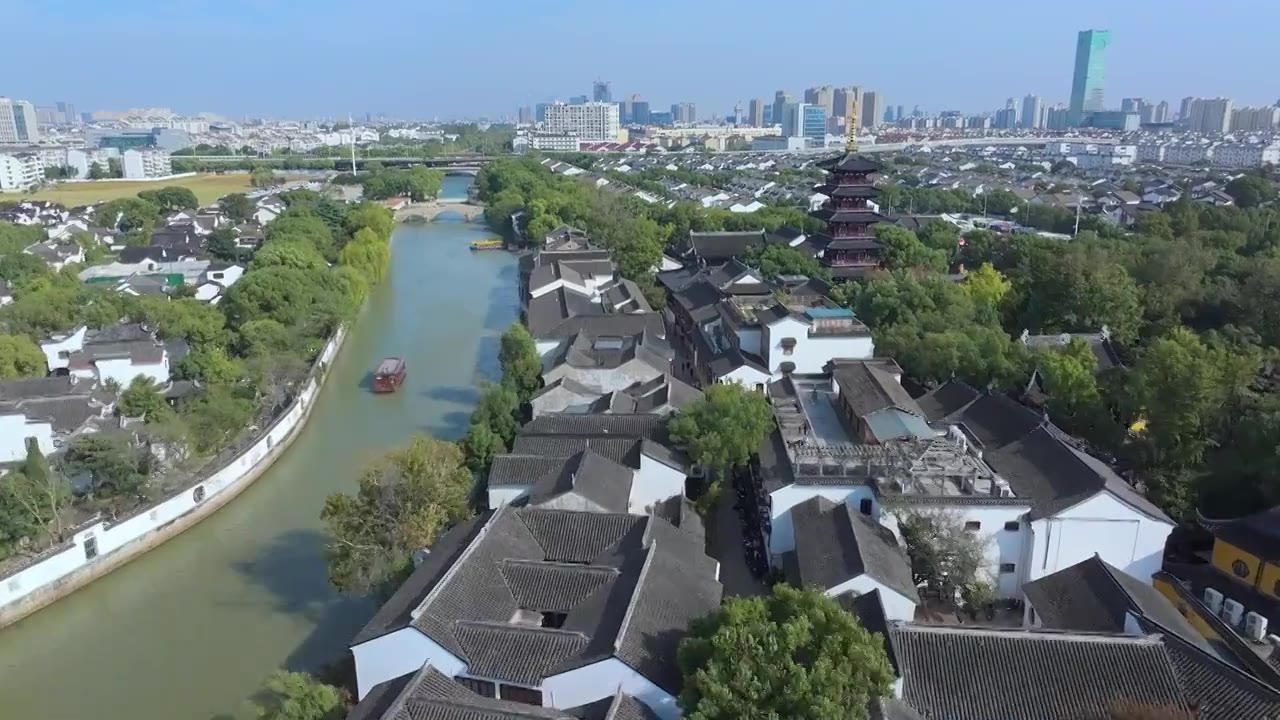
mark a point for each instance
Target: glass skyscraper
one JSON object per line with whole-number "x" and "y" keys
{"x": 1090, "y": 74}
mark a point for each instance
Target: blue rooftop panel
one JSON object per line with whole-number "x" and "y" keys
{"x": 824, "y": 312}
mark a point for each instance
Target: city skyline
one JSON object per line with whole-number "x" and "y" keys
{"x": 459, "y": 74}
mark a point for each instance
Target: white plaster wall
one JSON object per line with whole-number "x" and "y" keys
{"x": 747, "y": 376}
{"x": 70, "y": 345}
{"x": 123, "y": 370}
{"x": 1104, "y": 526}
{"x": 546, "y": 347}
{"x": 125, "y": 532}
{"x": 14, "y": 431}
{"x": 782, "y": 538}
{"x": 654, "y": 481}
{"x": 811, "y": 354}
{"x": 603, "y": 679}
{"x": 397, "y": 653}
{"x": 896, "y": 605}
{"x": 1002, "y": 546}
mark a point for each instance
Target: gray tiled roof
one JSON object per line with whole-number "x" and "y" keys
{"x": 867, "y": 387}
{"x": 1218, "y": 690}
{"x": 835, "y": 543}
{"x": 627, "y": 586}
{"x": 639, "y": 425}
{"x": 988, "y": 674}
{"x": 586, "y": 481}
{"x": 948, "y": 398}
{"x": 44, "y": 387}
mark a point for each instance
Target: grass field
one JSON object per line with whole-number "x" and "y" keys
{"x": 206, "y": 187}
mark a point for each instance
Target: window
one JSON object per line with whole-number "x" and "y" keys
{"x": 1240, "y": 568}
{"x": 1007, "y": 568}
{"x": 1012, "y": 526}
{"x": 553, "y": 619}
{"x": 64, "y": 354}
{"x": 973, "y": 526}
{"x": 483, "y": 688}
{"x": 864, "y": 506}
{"x": 90, "y": 548}
{"x": 198, "y": 494}
{"x": 525, "y": 695}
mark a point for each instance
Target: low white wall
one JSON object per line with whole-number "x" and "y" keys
{"x": 39, "y": 584}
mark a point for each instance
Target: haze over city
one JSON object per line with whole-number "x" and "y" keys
{"x": 414, "y": 59}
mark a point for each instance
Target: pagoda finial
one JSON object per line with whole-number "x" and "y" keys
{"x": 852, "y": 122}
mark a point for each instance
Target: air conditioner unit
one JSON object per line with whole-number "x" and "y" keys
{"x": 1213, "y": 600}
{"x": 1232, "y": 612}
{"x": 1255, "y": 627}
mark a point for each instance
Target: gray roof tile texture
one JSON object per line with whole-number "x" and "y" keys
{"x": 835, "y": 543}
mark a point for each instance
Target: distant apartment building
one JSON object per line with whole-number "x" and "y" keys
{"x": 546, "y": 141}
{"x": 1091, "y": 156}
{"x": 1210, "y": 115}
{"x": 1114, "y": 120}
{"x": 145, "y": 164}
{"x": 684, "y": 112}
{"x": 1161, "y": 113}
{"x": 872, "y": 108}
{"x": 18, "y": 122}
{"x": 755, "y": 112}
{"x": 1032, "y": 112}
{"x": 1244, "y": 155}
{"x": 592, "y": 121}
{"x": 600, "y": 91}
{"x": 81, "y": 159}
{"x": 1090, "y": 74}
{"x": 802, "y": 120}
{"x": 640, "y": 114}
{"x": 823, "y": 97}
{"x": 1057, "y": 118}
{"x": 845, "y": 100}
{"x": 1184, "y": 110}
{"x": 1006, "y": 119}
{"x": 524, "y": 115}
{"x": 19, "y": 171}
{"x": 1255, "y": 119}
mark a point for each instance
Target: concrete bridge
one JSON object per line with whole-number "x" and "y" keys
{"x": 431, "y": 211}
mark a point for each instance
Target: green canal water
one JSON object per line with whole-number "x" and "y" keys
{"x": 189, "y": 630}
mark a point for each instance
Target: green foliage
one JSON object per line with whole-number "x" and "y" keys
{"x": 417, "y": 184}
{"x": 118, "y": 470}
{"x": 794, "y": 654}
{"x": 222, "y": 246}
{"x": 171, "y": 199}
{"x": 20, "y": 357}
{"x": 217, "y": 415}
{"x": 298, "y": 696}
{"x": 520, "y": 362}
{"x": 142, "y": 399}
{"x": 237, "y": 206}
{"x": 903, "y": 250}
{"x": 404, "y": 501}
{"x": 262, "y": 176}
{"x": 1251, "y": 190}
{"x": 775, "y": 260}
{"x": 725, "y": 428}
{"x": 128, "y": 215}
{"x": 15, "y": 238}
{"x": 1078, "y": 289}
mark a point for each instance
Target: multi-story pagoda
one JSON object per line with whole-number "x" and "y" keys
{"x": 848, "y": 245}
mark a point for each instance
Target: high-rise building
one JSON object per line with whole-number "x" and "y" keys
{"x": 889, "y": 116}
{"x": 902, "y": 112}
{"x": 578, "y": 100}
{"x": 755, "y": 112}
{"x": 640, "y": 111}
{"x": 18, "y": 123}
{"x": 814, "y": 123}
{"x": 769, "y": 117}
{"x": 791, "y": 118}
{"x": 525, "y": 115}
{"x": 1090, "y": 74}
{"x": 685, "y": 112}
{"x": 1032, "y": 112}
{"x": 1132, "y": 105}
{"x": 845, "y": 99}
{"x": 540, "y": 111}
{"x": 1255, "y": 119}
{"x": 823, "y": 97}
{"x": 780, "y": 98}
{"x": 1211, "y": 115}
{"x": 1184, "y": 110}
{"x": 600, "y": 91}
{"x": 1161, "y": 113}
{"x": 591, "y": 121}
{"x": 1006, "y": 119}
{"x": 1057, "y": 118}
{"x": 872, "y": 108}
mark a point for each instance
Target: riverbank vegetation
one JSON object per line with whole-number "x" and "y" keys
{"x": 245, "y": 358}
{"x": 1187, "y": 298}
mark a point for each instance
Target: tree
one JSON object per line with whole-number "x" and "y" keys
{"x": 237, "y": 206}
{"x": 521, "y": 364}
{"x": 944, "y": 556}
{"x": 222, "y": 245}
{"x": 987, "y": 287}
{"x": 298, "y": 696}
{"x": 902, "y": 249}
{"x": 725, "y": 428}
{"x": 117, "y": 469}
{"x": 499, "y": 410}
{"x": 1251, "y": 190}
{"x": 404, "y": 501}
{"x": 20, "y": 357}
{"x": 142, "y": 399}
{"x": 128, "y": 215}
{"x": 296, "y": 254}
{"x": 368, "y": 254}
{"x": 774, "y": 260}
{"x": 97, "y": 171}
{"x": 41, "y": 493}
{"x": 793, "y": 654}
{"x": 262, "y": 176}
{"x": 115, "y": 168}
{"x": 1069, "y": 376}
{"x": 171, "y": 198}
{"x": 480, "y": 445}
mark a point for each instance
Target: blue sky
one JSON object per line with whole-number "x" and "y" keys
{"x": 471, "y": 57}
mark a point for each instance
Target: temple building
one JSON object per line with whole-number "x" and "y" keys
{"x": 849, "y": 246}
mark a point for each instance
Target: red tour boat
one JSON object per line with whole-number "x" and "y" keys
{"x": 389, "y": 375}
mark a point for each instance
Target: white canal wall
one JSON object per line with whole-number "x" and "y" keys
{"x": 98, "y": 549}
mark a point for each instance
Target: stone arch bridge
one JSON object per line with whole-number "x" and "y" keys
{"x": 431, "y": 210}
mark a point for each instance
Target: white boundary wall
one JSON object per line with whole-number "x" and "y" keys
{"x": 69, "y": 568}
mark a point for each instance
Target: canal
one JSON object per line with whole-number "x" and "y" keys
{"x": 190, "y": 630}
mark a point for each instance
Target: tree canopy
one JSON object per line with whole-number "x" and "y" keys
{"x": 795, "y": 654}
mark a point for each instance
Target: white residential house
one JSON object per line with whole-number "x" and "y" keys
{"x": 49, "y": 409}
{"x": 215, "y": 281}
{"x": 475, "y": 609}
{"x": 983, "y": 460}
{"x": 57, "y": 254}
{"x": 118, "y": 353}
